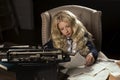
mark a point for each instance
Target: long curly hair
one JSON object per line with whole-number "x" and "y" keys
{"x": 79, "y": 31}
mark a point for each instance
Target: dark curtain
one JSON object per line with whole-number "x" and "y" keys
{"x": 8, "y": 19}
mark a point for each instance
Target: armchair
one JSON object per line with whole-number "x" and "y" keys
{"x": 91, "y": 18}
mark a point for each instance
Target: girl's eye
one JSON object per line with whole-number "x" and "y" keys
{"x": 68, "y": 26}
{"x": 61, "y": 29}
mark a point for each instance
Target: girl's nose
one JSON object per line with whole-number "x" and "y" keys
{"x": 66, "y": 31}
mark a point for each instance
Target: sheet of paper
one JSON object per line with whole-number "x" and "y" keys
{"x": 81, "y": 77}
{"x": 76, "y": 61}
{"x": 90, "y": 70}
{"x": 99, "y": 71}
{"x": 102, "y": 75}
{"x": 113, "y": 67}
{"x": 97, "y": 67}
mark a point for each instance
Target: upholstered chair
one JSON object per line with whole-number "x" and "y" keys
{"x": 91, "y": 19}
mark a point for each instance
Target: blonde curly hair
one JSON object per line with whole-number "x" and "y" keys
{"x": 79, "y": 31}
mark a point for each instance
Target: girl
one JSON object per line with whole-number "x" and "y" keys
{"x": 71, "y": 36}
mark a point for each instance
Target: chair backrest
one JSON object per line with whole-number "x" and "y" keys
{"x": 91, "y": 18}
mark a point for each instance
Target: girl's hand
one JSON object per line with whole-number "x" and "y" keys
{"x": 89, "y": 59}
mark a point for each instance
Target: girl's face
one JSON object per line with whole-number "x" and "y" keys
{"x": 65, "y": 29}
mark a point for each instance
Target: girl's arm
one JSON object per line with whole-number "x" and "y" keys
{"x": 92, "y": 49}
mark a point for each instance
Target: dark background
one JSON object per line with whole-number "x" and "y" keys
{"x": 20, "y": 21}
